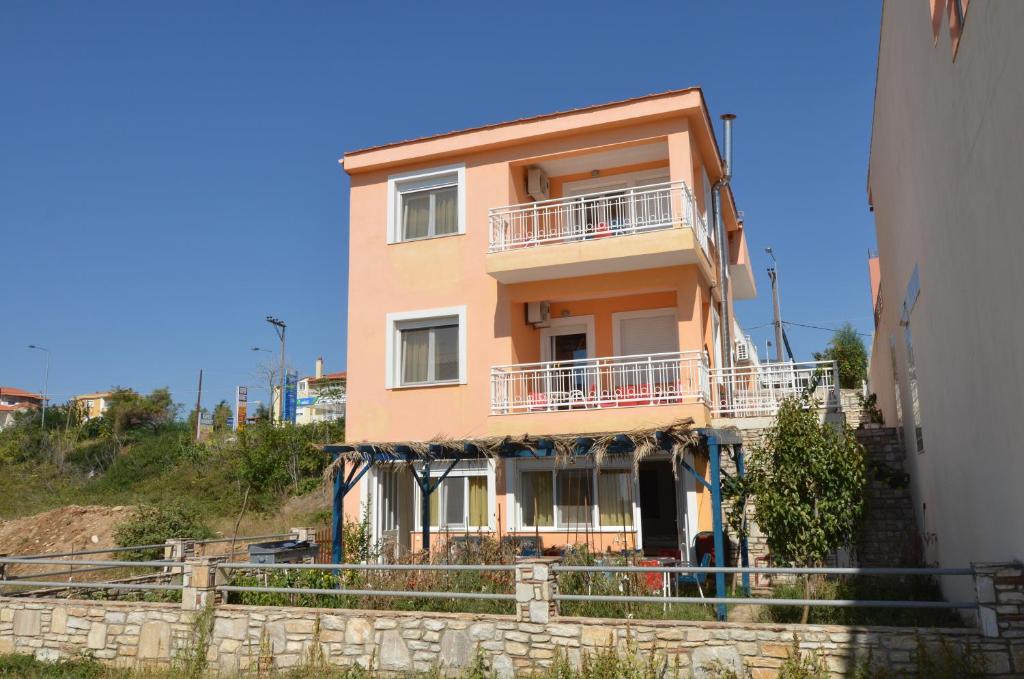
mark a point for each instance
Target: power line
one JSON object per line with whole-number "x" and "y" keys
{"x": 819, "y": 327}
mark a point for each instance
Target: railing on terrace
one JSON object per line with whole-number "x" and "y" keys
{"x": 756, "y": 390}
{"x": 597, "y": 215}
{"x": 606, "y": 382}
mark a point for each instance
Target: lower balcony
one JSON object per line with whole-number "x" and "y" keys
{"x": 605, "y": 382}
{"x": 756, "y": 390}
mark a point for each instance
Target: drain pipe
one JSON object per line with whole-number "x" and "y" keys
{"x": 723, "y": 248}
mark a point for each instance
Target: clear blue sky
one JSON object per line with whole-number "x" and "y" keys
{"x": 169, "y": 175}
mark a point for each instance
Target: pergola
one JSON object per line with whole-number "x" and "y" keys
{"x": 443, "y": 456}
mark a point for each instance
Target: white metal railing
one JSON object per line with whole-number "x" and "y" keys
{"x": 607, "y": 382}
{"x": 757, "y": 389}
{"x": 597, "y": 215}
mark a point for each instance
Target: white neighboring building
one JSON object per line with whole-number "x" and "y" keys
{"x": 322, "y": 396}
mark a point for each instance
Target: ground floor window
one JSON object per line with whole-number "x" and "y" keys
{"x": 574, "y": 498}
{"x": 463, "y": 500}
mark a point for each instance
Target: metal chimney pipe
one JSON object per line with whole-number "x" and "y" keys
{"x": 728, "y": 118}
{"x": 723, "y": 247}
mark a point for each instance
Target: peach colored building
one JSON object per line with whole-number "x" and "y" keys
{"x": 93, "y": 405}
{"x": 552, "y": 275}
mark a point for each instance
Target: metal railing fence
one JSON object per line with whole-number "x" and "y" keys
{"x": 757, "y": 390}
{"x": 597, "y": 215}
{"x": 604, "y": 382}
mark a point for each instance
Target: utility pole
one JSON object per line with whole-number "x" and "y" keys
{"x": 199, "y": 406}
{"x": 279, "y": 327}
{"x": 46, "y": 380}
{"x": 773, "y": 274}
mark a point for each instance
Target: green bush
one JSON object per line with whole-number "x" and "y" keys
{"x": 16, "y": 665}
{"x": 150, "y": 525}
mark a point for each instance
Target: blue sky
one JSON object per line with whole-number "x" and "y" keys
{"x": 169, "y": 176}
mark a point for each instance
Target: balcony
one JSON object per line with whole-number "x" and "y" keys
{"x": 658, "y": 379}
{"x": 608, "y": 382}
{"x": 756, "y": 390}
{"x": 633, "y": 228}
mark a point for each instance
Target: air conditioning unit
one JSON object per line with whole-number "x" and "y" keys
{"x": 537, "y": 184}
{"x": 742, "y": 350}
{"x": 538, "y": 314}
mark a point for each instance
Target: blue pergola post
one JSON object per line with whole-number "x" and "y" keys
{"x": 342, "y": 485}
{"x": 337, "y": 516}
{"x": 714, "y": 450}
{"x": 744, "y": 556}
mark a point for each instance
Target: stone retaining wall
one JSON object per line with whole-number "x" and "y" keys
{"x": 240, "y": 638}
{"x": 244, "y": 637}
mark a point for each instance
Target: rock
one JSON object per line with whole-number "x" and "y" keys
{"x": 26, "y": 623}
{"x": 358, "y": 631}
{"x": 155, "y": 640}
{"x": 456, "y": 649}
{"x": 707, "y": 660}
{"x": 97, "y": 638}
{"x": 394, "y": 655}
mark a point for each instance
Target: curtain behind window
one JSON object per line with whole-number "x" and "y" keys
{"x": 536, "y": 503}
{"x": 478, "y": 501}
{"x": 614, "y": 504}
{"x": 446, "y": 346}
{"x": 415, "y": 215}
{"x": 575, "y": 497}
{"x": 445, "y": 211}
{"x": 415, "y": 350}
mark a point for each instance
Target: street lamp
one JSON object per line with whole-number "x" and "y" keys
{"x": 46, "y": 380}
{"x": 279, "y": 328}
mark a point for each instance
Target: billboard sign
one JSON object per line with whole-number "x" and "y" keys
{"x": 291, "y": 386}
{"x": 241, "y": 406}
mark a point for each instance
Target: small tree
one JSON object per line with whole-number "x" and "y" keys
{"x": 847, "y": 349}
{"x": 807, "y": 480}
{"x": 221, "y": 415}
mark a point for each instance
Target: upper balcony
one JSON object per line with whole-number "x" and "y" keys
{"x": 619, "y": 229}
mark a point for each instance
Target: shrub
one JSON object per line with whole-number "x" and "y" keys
{"x": 150, "y": 525}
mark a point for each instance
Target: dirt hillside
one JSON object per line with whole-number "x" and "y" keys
{"x": 71, "y": 528}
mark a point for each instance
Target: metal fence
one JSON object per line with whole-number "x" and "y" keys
{"x": 607, "y": 382}
{"x": 757, "y": 390}
{"x": 342, "y": 591}
{"x": 596, "y": 215}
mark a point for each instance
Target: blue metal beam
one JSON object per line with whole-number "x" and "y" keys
{"x": 714, "y": 453}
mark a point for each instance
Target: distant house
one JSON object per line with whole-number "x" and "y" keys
{"x": 14, "y": 400}
{"x": 93, "y": 405}
{"x": 321, "y": 396}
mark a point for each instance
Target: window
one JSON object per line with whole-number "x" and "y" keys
{"x": 430, "y": 353}
{"x": 575, "y": 498}
{"x": 614, "y": 494}
{"x": 426, "y": 204}
{"x": 426, "y": 347}
{"x": 462, "y": 501}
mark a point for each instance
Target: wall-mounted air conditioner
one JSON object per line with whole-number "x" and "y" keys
{"x": 537, "y": 184}
{"x": 742, "y": 350}
{"x": 538, "y": 314}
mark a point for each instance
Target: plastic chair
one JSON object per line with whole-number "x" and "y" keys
{"x": 698, "y": 579}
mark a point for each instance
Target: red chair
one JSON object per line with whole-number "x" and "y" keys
{"x": 538, "y": 401}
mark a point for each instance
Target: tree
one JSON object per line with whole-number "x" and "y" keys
{"x": 221, "y": 415}
{"x": 847, "y": 349}
{"x": 130, "y": 410}
{"x": 807, "y": 482}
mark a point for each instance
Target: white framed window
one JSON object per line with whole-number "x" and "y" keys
{"x": 708, "y": 213}
{"x": 574, "y": 498}
{"x": 426, "y": 348}
{"x": 427, "y": 204}
{"x": 464, "y": 501}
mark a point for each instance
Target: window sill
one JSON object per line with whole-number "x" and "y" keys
{"x": 426, "y": 239}
{"x": 541, "y": 529}
{"x": 427, "y": 385}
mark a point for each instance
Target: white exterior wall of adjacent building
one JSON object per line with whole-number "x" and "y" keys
{"x": 946, "y": 181}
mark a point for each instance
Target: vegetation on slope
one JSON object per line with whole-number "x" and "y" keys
{"x": 140, "y": 452}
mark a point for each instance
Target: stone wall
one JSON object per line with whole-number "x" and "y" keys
{"x": 245, "y": 637}
{"x": 889, "y": 536}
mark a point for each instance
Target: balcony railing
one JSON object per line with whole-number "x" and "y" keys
{"x": 756, "y": 390}
{"x": 597, "y": 215}
{"x": 608, "y": 382}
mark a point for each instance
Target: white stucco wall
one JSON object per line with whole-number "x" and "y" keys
{"x": 947, "y": 186}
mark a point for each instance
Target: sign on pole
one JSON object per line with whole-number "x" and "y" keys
{"x": 291, "y": 386}
{"x": 241, "y": 406}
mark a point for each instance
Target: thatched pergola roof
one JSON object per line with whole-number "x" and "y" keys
{"x": 675, "y": 438}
